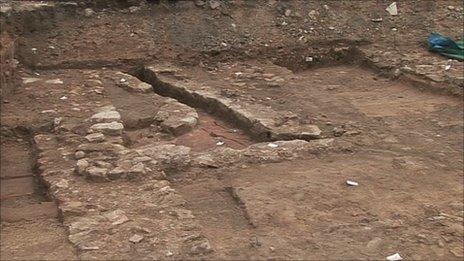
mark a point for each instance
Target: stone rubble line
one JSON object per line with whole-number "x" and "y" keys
{"x": 108, "y": 220}
{"x": 261, "y": 122}
{"x": 138, "y": 209}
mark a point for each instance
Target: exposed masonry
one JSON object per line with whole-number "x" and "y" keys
{"x": 260, "y": 121}
{"x": 116, "y": 201}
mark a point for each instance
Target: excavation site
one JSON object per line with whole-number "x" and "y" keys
{"x": 232, "y": 130}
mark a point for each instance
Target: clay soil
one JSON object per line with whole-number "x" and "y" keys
{"x": 402, "y": 139}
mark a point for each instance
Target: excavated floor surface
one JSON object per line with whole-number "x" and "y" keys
{"x": 149, "y": 153}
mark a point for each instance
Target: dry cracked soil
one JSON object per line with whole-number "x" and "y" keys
{"x": 230, "y": 130}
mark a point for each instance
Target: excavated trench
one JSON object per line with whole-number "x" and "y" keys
{"x": 210, "y": 106}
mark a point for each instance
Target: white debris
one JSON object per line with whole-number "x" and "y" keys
{"x": 220, "y": 143}
{"x": 64, "y": 98}
{"x": 447, "y": 67}
{"x": 394, "y": 257}
{"x": 377, "y": 20}
{"x": 169, "y": 253}
{"x": 34, "y": 50}
{"x": 272, "y": 145}
{"x": 392, "y": 9}
{"x": 352, "y": 183}
{"x": 123, "y": 80}
{"x": 309, "y": 59}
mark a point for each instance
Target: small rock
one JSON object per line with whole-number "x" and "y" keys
{"x": 112, "y": 128}
{"x": 117, "y": 217}
{"x": 457, "y": 251}
{"x": 81, "y": 247}
{"x": 62, "y": 184}
{"x": 374, "y": 243}
{"x": 72, "y": 208}
{"x": 255, "y": 242}
{"x": 288, "y": 12}
{"x": 106, "y": 116}
{"x": 95, "y": 137}
{"x": 96, "y": 173}
{"x": 312, "y": 14}
{"x": 30, "y": 80}
{"x": 338, "y": 131}
{"x": 176, "y": 118}
{"x": 79, "y": 154}
{"x": 199, "y": 3}
{"x": 106, "y": 108}
{"x": 54, "y": 81}
{"x": 136, "y": 238}
{"x": 169, "y": 253}
{"x": 134, "y": 9}
{"x": 81, "y": 166}
{"x": 201, "y": 248}
{"x": 214, "y": 4}
{"x": 88, "y": 12}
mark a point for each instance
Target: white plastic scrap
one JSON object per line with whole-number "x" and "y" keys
{"x": 394, "y": 257}
{"x": 220, "y": 143}
{"x": 392, "y": 9}
{"x": 352, "y": 183}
